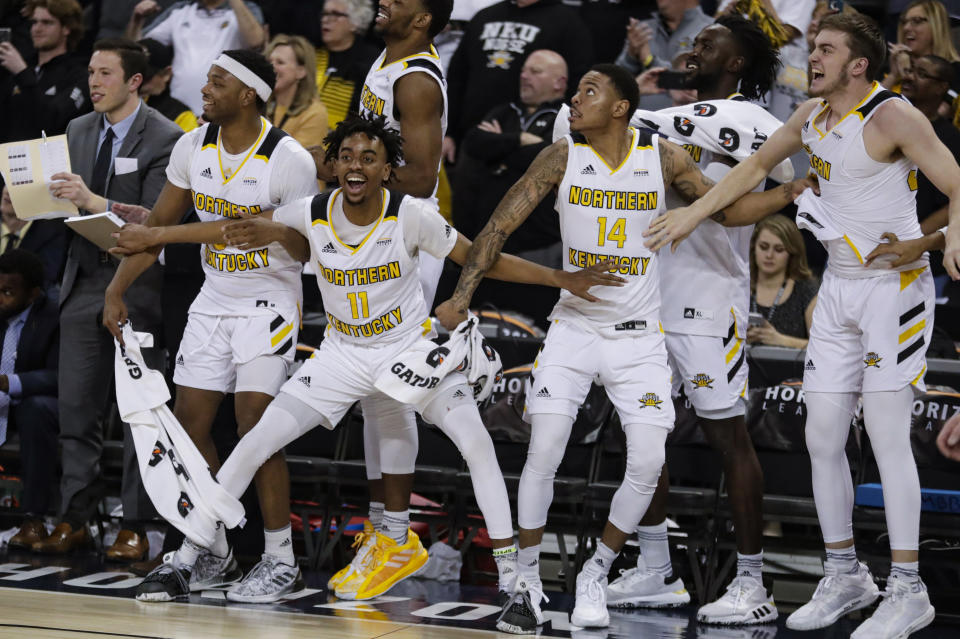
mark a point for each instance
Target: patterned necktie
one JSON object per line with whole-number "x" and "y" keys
{"x": 7, "y": 360}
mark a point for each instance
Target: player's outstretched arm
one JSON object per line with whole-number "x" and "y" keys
{"x": 419, "y": 102}
{"x": 742, "y": 179}
{"x": 171, "y": 204}
{"x": 510, "y": 268}
{"x": 906, "y": 251}
{"x": 261, "y": 230}
{"x": 544, "y": 174}
{"x": 914, "y": 136}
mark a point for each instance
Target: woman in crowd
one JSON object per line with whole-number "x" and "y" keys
{"x": 294, "y": 105}
{"x": 924, "y": 29}
{"x": 783, "y": 290}
{"x": 345, "y": 57}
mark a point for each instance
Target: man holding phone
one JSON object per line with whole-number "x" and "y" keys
{"x": 45, "y": 94}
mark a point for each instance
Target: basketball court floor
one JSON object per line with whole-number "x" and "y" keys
{"x": 81, "y": 597}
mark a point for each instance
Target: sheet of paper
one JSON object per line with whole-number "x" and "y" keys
{"x": 27, "y": 167}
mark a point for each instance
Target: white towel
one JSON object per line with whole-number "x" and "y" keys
{"x": 175, "y": 474}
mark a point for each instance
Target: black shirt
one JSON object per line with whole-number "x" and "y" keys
{"x": 929, "y": 198}
{"x": 43, "y": 99}
{"x": 789, "y": 317}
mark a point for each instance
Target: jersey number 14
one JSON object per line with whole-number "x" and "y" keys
{"x": 618, "y": 232}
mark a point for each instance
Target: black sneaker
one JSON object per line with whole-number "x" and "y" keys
{"x": 521, "y": 612}
{"x": 166, "y": 582}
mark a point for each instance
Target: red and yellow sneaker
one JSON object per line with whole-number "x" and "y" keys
{"x": 364, "y": 542}
{"x": 391, "y": 563}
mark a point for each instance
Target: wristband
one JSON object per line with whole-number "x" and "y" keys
{"x": 647, "y": 61}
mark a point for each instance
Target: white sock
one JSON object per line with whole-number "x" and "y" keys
{"x": 278, "y": 543}
{"x": 376, "y": 515}
{"x": 529, "y": 563}
{"x": 220, "y": 547}
{"x": 908, "y": 571}
{"x": 395, "y": 525}
{"x": 187, "y": 554}
{"x": 750, "y": 565}
{"x": 843, "y": 559}
{"x": 507, "y": 568}
{"x": 598, "y": 567}
{"x": 655, "y": 549}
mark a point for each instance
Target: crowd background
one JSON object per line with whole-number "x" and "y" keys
{"x": 509, "y": 66}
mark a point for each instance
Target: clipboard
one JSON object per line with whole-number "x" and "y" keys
{"x": 27, "y": 167}
{"x": 97, "y": 228}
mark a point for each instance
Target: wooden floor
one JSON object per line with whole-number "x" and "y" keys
{"x": 56, "y": 615}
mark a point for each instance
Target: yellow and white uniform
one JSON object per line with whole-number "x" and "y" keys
{"x": 871, "y": 326}
{"x": 369, "y": 281}
{"x": 617, "y": 340}
{"x": 377, "y": 98}
{"x": 242, "y": 327}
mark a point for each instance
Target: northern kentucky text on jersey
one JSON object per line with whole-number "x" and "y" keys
{"x": 622, "y": 264}
{"x": 378, "y": 326}
{"x": 220, "y": 206}
{"x": 613, "y": 200}
{"x": 361, "y": 276}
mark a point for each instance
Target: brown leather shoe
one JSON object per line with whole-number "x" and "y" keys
{"x": 129, "y": 546}
{"x": 31, "y": 531}
{"x": 62, "y": 540}
{"x": 145, "y": 567}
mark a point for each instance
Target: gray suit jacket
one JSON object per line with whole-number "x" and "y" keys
{"x": 150, "y": 140}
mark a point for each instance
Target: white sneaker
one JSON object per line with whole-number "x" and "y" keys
{"x": 590, "y": 609}
{"x": 904, "y": 610}
{"x": 642, "y": 588}
{"x": 211, "y": 571}
{"x": 270, "y": 580}
{"x": 836, "y": 595}
{"x": 745, "y": 602}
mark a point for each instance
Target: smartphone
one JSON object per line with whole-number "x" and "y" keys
{"x": 756, "y": 319}
{"x": 672, "y": 80}
{"x": 834, "y": 6}
{"x": 5, "y": 34}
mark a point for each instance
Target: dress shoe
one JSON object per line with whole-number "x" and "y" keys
{"x": 31, "y": 531}
{"x": 145, "y": 567}
{"x": 62, "y": 540}
{"x": 128, "y": 547}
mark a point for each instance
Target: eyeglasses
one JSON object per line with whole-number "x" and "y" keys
{"x": 923, "y": 75}
{"x": 333, "y": 15}
{"x": 914, "y": 22}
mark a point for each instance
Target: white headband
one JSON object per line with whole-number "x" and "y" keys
{"x": 245, "y": 75}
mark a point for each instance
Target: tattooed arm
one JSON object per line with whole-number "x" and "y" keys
{"x": 544, "y": 174}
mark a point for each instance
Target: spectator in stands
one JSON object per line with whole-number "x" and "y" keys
{"x": 658, "y": 41}
{"x": 113, "y": 16}
{"x": 782, "y": 288}
{"x": 47, "y": 239}
{"x": 28, "y": 384}
{"x": 447, "y": 41}
{"x": 821, "y": 10}
{"x": 198, "y": 32}
{"x": 49, "y": 91}
{"x": 121, "y": 128}
{"x": 344, "y": 58}
{"x": 155, "y": 89}
{"x": 948, "y": 441}
{"x": 294, "y": 105}
{"x": 494, "y": 47}
{"x": 606, "y": 17}
{"x": 924, "y": 29}
{"x": 11, "y": 17}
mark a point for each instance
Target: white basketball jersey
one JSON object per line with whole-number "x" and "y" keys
{"x": 707, "y": 279}
{"x": 371, "y": 292}
{"x": 860, "y": 198}
{"x": 377, "y": 95}
{"x": 603, "y": 214}
{"x": 241, "y": 280}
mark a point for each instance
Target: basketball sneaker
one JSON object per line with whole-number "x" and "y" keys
{"x": 364, "y": 542}
{"x": 642, "y": 588}
{"x": 270, "y": 580}
{"x": 521, "y": 611}
{"x": 390, "y": 564}
{"x": 590, "y": 609}
{"x": 835, "y": 596}
{"x": 166, "y": 582}
{"x": 211, "y": 571}
{"x": 904, "y": 610}
{"x": 745, "y": 602}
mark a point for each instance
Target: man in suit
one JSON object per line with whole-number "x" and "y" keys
{"x": 120, "y": 153}
{"x": 47, "y": 239}
{"x": 28, "y": 383}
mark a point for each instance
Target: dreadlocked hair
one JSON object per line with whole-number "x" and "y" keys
{"x": 374, "y": 127}
{"x": 762, "y": 58}
{"x": 756, "y": 12}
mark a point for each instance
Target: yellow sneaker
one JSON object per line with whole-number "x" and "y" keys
{"x": 364, "y": 542}
{"x": 391, "y": 563}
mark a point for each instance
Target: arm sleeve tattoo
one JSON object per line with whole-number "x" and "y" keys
{"x": 682, "y": 173}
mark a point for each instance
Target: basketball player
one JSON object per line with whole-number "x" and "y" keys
{"x": 242, "y": 327}
{"x": 365, "y": 240}
{"x": 705, "y": 319}
{"x": 611, "y": 179}
{"x": 406, "y": 86}
{"x": 871, "y": 326}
